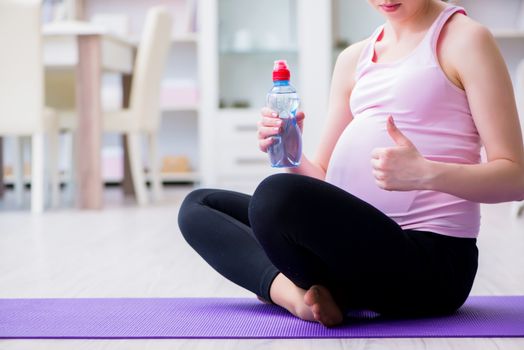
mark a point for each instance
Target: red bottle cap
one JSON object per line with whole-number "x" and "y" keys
{"x": 280, "y": 71}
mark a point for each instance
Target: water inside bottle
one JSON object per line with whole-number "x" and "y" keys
{"x": 286, "y": 149}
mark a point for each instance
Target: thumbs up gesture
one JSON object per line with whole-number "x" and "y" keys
{"x": 398, "y": 168}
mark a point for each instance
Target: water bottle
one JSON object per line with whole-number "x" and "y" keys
{"x": 286, "y": 149}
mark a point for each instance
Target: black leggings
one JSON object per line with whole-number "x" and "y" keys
{"x": 316, "y": 233}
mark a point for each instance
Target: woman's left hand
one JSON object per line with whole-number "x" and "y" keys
{"x": 399, "y": 168}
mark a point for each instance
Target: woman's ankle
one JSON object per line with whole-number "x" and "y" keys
{"x": 264, "y": 300}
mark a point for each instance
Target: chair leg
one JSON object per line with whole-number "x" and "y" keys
{"x": 54, "y": 171}
{"x": 37, "y": 173}
{"x": 69, "y": 146}
{"x": 134, "y": 149}
{"x": 18, "y": 170}
{"x": 156, "y": 182}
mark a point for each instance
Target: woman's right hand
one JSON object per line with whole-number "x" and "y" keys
{"x": 270, "y": 124}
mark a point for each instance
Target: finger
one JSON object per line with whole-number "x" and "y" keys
{"x": 265, "y": 132}
{"x": 397, "y": 136}
{"x": 268, "y": 112}
{"x": 376, "y": 153}
{"x": 376, "y": 164}
{"x": 271, "y": 122}
{"x": 300, "y": 116}
{"x": 379, "y": 175}
{"x": 380, "y": 184}
{"x": 265, "y": 143}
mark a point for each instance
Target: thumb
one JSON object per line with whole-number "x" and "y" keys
{"x": 396, "y": 134}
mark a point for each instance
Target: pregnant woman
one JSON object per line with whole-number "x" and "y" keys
{"x": 385, "y": 216}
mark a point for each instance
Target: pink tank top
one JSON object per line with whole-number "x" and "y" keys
{"x": 432, "y": 112}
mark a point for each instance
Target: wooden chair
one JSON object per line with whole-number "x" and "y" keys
{"x": 142, "y": 118}
{"x": 22, "y": 111}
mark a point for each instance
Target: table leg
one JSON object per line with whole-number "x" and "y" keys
{"x": 88, "y": 140}
{"x": 127, "y": 181}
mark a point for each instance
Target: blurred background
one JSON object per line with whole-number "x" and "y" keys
{"x": 213, "y": 81}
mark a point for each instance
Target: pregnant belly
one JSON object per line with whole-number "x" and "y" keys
{"x": 350, "y": 166}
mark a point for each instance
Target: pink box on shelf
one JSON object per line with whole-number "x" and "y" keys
{"x": 112, "y": 163}
{"x": 179, "y": 94}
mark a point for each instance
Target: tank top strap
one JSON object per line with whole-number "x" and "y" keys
{"x": 439, "y": 23}
{"x": 368, "y": 51}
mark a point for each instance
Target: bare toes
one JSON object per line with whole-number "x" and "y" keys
{"x": 311, "y": 296}
{"x": 323, "y": 307}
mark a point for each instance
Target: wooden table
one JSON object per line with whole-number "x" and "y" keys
{"x": 89, "y": 49}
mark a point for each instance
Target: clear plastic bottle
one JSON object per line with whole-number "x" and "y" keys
{"x": 286, "y": 150}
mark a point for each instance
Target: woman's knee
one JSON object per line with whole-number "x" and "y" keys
{"x": 191, "y": 212}
{"x": 274, "y": 201}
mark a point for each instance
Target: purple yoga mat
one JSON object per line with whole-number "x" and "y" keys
{"x": 131, "y": 318}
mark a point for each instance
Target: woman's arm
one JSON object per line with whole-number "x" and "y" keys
{"x": 484, "y": 76}
{"x": 470, "y": 60}
{"x": 339, "y": 114}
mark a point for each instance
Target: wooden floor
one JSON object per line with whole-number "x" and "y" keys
{"x": 125, "y": 251}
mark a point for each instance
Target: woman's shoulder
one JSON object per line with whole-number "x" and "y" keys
{"x": 463, "y": 47}
{"x": 350, "y": 56}
{"x": 463, "y": 32}
{"x": 462, "y": 41}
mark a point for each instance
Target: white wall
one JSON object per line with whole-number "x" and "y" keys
{"x": 355, "y": 20}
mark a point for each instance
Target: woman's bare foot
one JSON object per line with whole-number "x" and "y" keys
{"x": 324, "y": 309}
{"x": 288, "y": 295}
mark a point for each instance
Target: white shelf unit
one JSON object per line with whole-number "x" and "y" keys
{"x": 167, "y": 177}
{"x": 179, "y": 133}
{"x": 239, "y": 41}
{"x": 186, "y": 38}
{"x": 188, "y": 108}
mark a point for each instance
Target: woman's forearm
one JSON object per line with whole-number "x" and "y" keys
{"x": 308, "y": 168}
{"x": 500, "y": 180}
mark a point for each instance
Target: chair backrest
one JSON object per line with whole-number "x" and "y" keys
{"x": 21, "y": 67}
{"x": 149, "y": 68}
